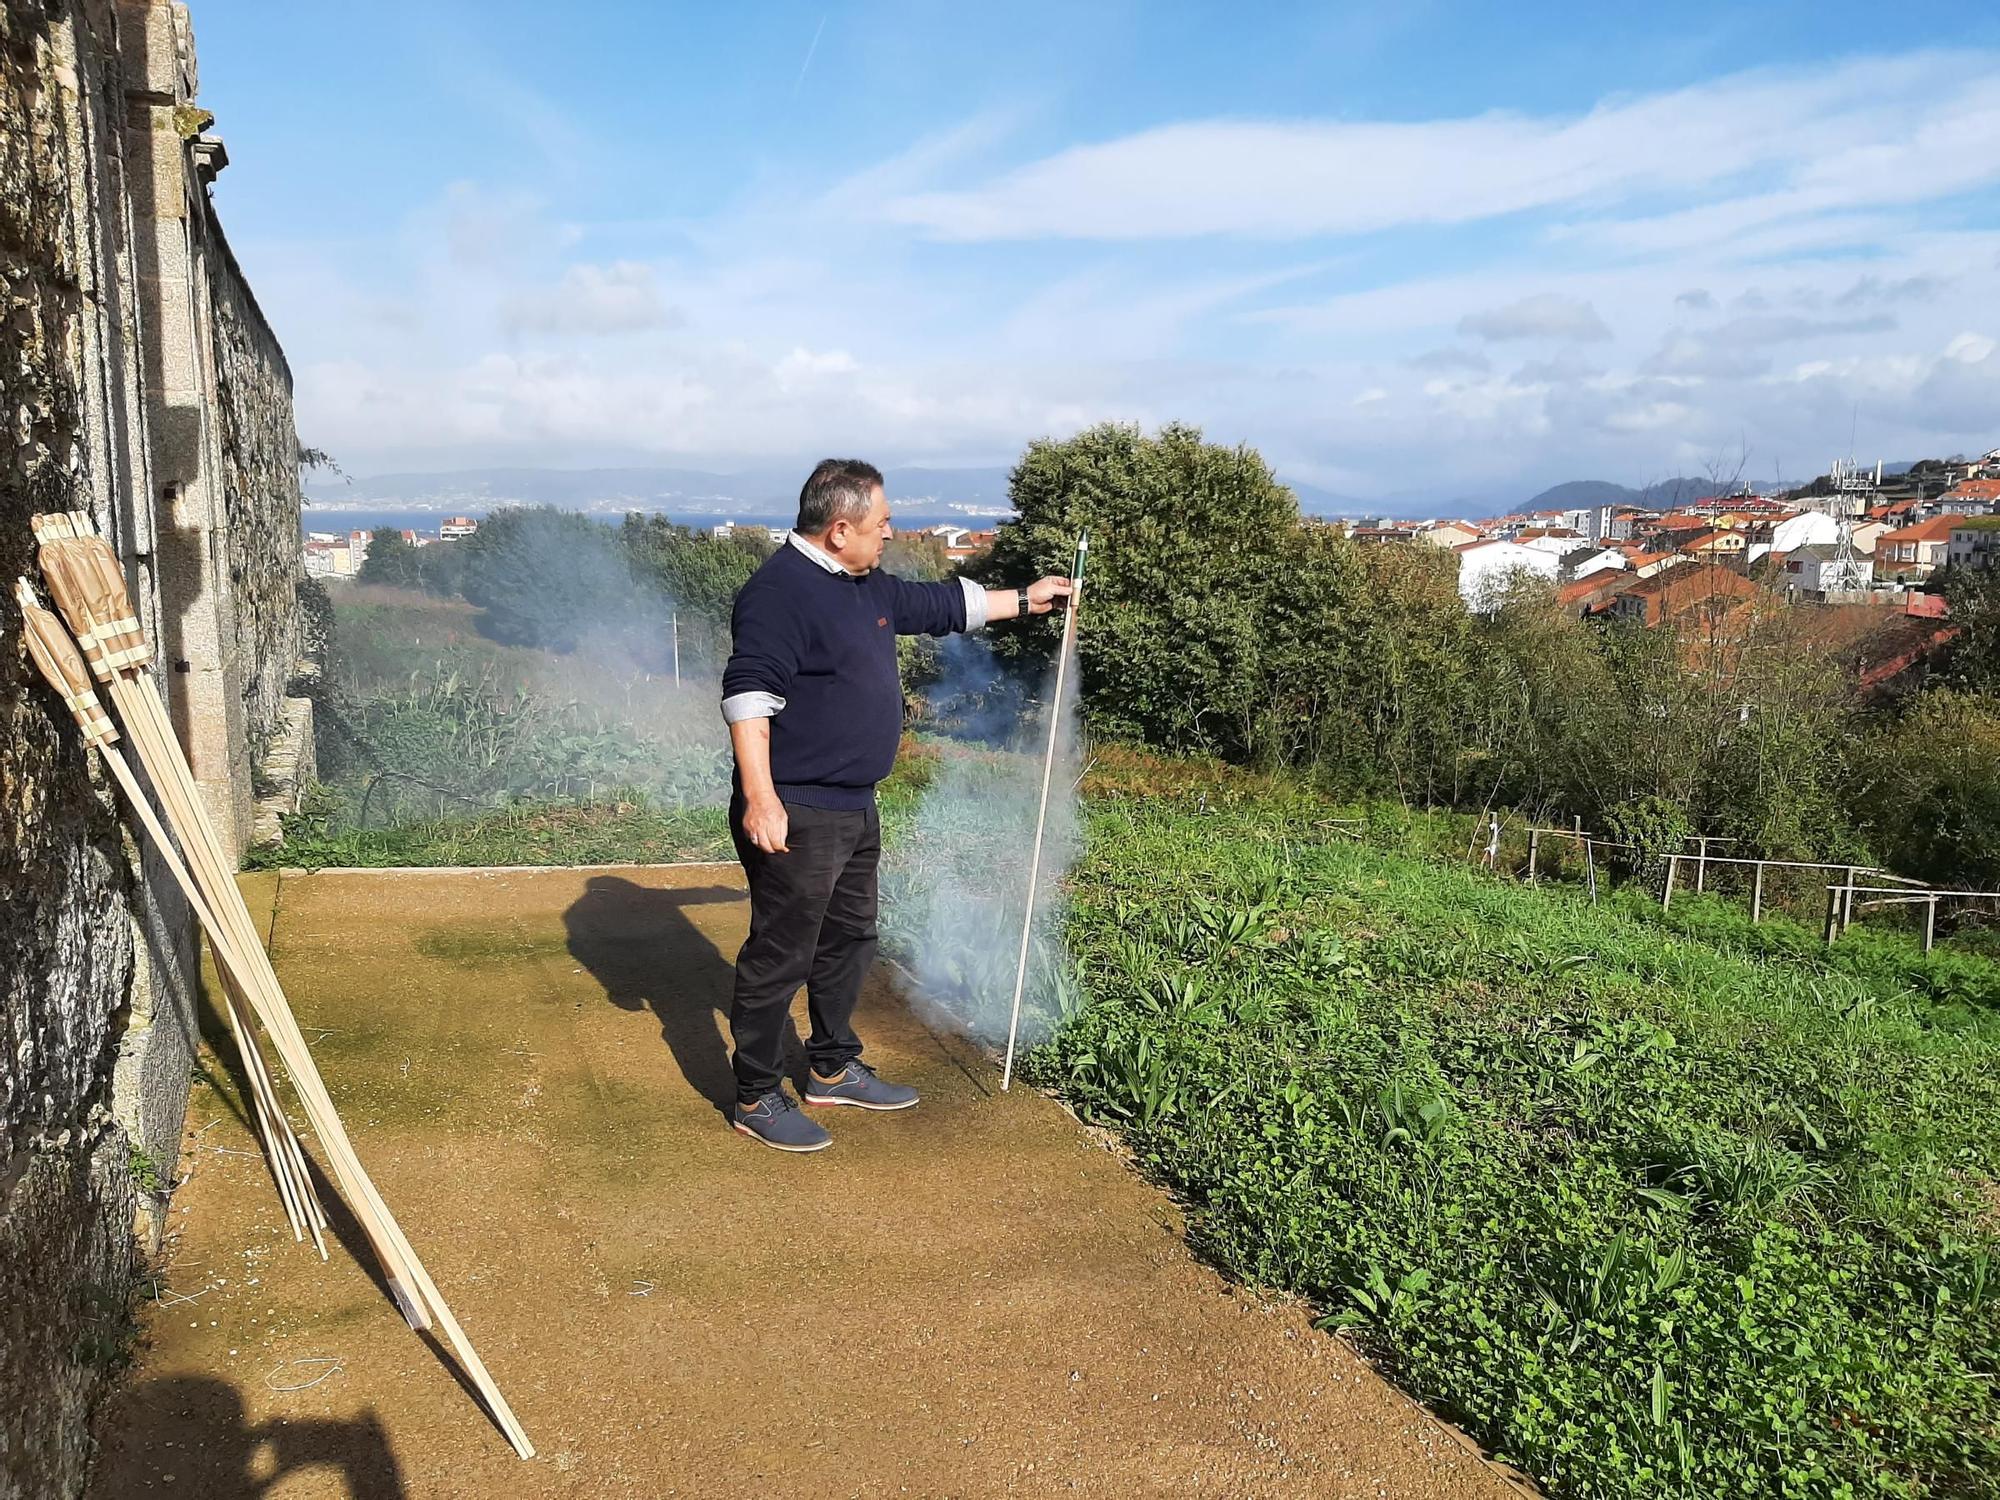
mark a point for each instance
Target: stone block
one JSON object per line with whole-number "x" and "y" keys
{"x": 150, "y": 51}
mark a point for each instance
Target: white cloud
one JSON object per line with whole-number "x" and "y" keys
{"x": 1873, "y": 131}
{"x": 802, "y": 367}
{"x": 1452, "y": 357}
{"x": 595, "y": 300}
{"x": 1547, "y": 315}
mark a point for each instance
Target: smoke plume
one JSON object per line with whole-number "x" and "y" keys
{"x": 955, "y": 897}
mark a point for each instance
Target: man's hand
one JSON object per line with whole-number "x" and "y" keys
{"x": 1043, "y": 593}
{"x": 767, "y": 825}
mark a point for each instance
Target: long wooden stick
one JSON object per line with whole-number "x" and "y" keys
{"x": 281, "y": 1145}
{"x": 239, "y": 970}
{"x": 401, "y": 1263}
{"x": 1042, "y": 814}
{"x": 89, "y": 586}
{"x": 61, "y": 664}
{"x": 143, "y": 714}
{"x": 138, "y": 702}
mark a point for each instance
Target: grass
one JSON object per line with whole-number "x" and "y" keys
{"x": 627, "y": 831}
{"x": 622, "y": 829}
{"x": 1653, "y": 1207}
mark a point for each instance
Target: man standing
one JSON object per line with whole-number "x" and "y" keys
{"x": 814, "y": 703}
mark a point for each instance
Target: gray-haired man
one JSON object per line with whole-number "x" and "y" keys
{"x": 814, "y": 703}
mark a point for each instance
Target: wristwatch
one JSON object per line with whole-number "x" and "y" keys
{"x": 1021, "y": 597}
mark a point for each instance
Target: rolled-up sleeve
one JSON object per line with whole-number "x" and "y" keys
{"x": 740, "y": 706}
{"x": 767, "y": 642}
{"x": 977, "y": 605}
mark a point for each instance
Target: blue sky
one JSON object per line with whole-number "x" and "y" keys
{"x": 1447, "y": 250}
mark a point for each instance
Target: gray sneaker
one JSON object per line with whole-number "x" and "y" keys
{"x": 780, "y": 1124}
{"x": 857, "y": 1084}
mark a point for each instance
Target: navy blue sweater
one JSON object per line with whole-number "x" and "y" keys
{"x": 826, "y": 643}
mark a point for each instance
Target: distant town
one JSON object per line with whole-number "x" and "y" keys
{"x": 1856, "y": 535}
{"x": 338, "y": 555}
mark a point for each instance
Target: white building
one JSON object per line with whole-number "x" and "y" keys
{"x": 1975, "y": 543}
{"x": 1819, "y": 569}
{"x": 1485, "y": 569}
{"x": 1812, "y": 528}
{"x": 1555, "y": 541}
{"x": 1595, "y": 562}
{"x": 328, "y": 557}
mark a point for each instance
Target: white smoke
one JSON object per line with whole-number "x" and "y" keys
{"x": 955, "y": 897}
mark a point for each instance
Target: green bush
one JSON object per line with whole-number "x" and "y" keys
{"x": 1655, "y": 829}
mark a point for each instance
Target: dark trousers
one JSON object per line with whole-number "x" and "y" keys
{"x": 812, "y": 923}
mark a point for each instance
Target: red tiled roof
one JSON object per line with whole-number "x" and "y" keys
{"x": 1936, "y": 529}
{"x": 1974, "y": 489}
{"x": 1696, "y": 543}
{"x": 1591, "y": 583}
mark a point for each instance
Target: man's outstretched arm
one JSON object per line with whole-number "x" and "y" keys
{"x": 1005, "y": 604}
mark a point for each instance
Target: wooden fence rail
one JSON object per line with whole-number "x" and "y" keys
{"x": 1840, "y": 904}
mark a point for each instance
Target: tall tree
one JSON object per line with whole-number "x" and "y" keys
{"x": 1185, "y": 539}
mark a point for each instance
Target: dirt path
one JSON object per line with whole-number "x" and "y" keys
{"x": 969, "y": 1299}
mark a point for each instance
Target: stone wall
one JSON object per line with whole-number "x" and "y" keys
{"x": 259, "y": 453}
{"x": 139, "y": 380}
{"x": 67, "y": 949}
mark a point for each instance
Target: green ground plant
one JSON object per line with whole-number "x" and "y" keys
{"x": 1655, "y": 1206}
{"x": 620, "y": 829}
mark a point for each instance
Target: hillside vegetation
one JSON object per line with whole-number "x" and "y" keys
{"x": 1653, "y": 1209}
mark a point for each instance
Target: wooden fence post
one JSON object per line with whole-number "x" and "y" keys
{"x": 1832, "y": 914}
{"x": 1930, "y": 923}
{"x": 1534, "y": 849}
{"x": 1701, "y": 865}
{"x": 1847, "y": 908}
{"x": 1590, "y": 869}
{"x": 1757, "y": 896}
{"x": 1667, "y": 895}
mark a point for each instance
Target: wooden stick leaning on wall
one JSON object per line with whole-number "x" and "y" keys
{"x": 62, "y": 666}
{"x": 89, "y": 586}
{"x": 91, "y": 578}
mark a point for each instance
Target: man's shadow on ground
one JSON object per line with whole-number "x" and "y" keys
{"x": 638, "y": 942}
{"x": 221, "y": 1455}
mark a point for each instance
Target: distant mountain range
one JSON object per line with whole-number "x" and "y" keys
{"x": 694, "y": 493}
{"x": 1662, "y": 495}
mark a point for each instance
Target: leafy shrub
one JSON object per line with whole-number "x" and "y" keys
{"x": 1656, "y": 829}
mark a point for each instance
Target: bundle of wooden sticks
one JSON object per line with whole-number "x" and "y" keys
{"x": 103, "y": 645}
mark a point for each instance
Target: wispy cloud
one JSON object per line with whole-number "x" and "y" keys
{"x": 810, "y": 50}
{"x": 1548, "y": 315}
{"x": 1869, "y": 132}
{"x": 593, "y": 301}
